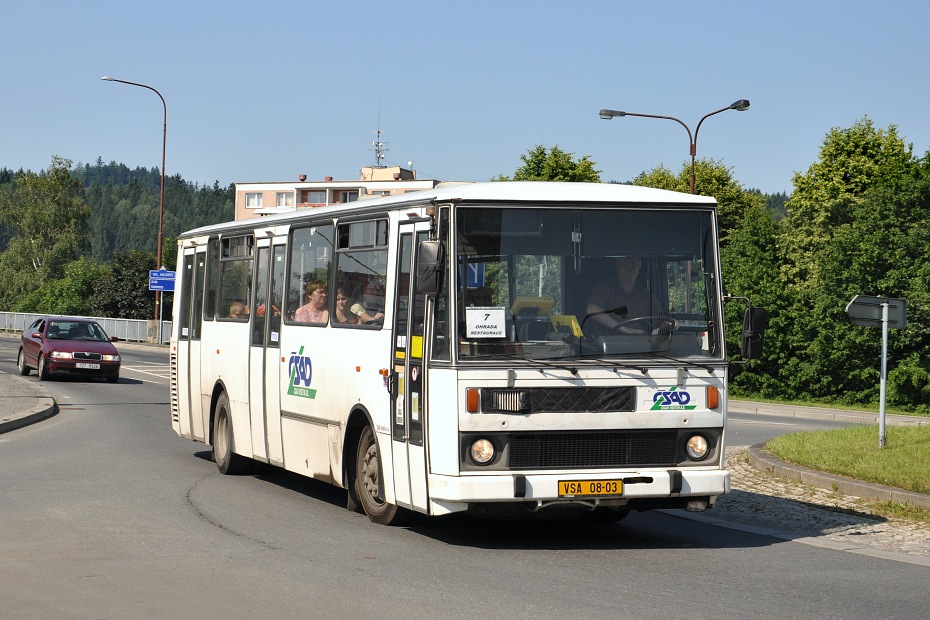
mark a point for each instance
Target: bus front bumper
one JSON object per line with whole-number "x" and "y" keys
{"x": 550, "y": 489}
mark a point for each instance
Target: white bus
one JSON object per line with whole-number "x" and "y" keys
{"x": 478, "y": 369}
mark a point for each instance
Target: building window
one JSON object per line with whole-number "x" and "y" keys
{"x": 348, "y": 196}
{"x": 315, "y": 197}
{"x": 284, "y": 199}
{"x": 253, "y": 200}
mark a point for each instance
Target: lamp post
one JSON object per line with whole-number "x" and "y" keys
{"x": 739, "y": 106}
{"x": 161, "y": 194}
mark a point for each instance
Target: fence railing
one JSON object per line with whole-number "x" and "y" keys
{"x": 135, "y": 330}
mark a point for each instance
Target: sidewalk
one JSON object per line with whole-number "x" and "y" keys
{"x": 22, "y": 402}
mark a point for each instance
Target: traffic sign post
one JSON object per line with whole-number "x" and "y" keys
{"x": 886, "y": 312}
{"x": 161, "y": 280}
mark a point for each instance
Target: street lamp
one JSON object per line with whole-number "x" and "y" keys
{"x": 739, "y": 106}
{"x": 161, "y": 193}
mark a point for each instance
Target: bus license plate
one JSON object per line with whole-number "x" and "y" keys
{"x": 88, "y": 366}
{"x": 578, "y": 488}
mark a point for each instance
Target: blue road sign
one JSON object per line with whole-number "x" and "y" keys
{"x": 161, "y": 284}
{"x": 161, "y": 280}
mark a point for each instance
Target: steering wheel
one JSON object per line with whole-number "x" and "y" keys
{"x": 665, "y": 324}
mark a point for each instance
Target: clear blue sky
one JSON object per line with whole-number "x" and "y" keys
{"x": 264, "y": 91}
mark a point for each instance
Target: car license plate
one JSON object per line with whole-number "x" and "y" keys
{"x": 578, "y": 488}
{"x": 88, "y": 366}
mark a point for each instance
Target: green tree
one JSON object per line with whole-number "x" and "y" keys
{"x": 541, "y": 164}
{"x": 850, "y": 162}
{"x": 125, "y": 294}
{"x": 49, "y": 217}
{"x": 846, "y": 232}
{"x": 73, "y": 294}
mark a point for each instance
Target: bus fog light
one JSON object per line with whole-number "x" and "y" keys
{"x": 696, "y": 447}
{"x": 482, "y": 451}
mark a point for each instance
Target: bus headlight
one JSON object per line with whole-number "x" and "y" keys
{"x": 482, "y": 452}
{"x": 696, "y": 447}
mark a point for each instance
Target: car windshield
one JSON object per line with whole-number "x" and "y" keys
{"x": 76, "y": 330}
{"x": 539, "y": 284}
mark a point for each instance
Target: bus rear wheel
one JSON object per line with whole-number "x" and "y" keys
{"x": 228, "y": 462}
{"x": 368, "y": 475}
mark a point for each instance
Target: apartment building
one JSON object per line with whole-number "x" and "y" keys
{"x": 257, "y": 199}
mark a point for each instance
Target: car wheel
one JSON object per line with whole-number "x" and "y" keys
{"x": 368, "y": 473}
{"x": 21, "y": 363}
{"x": 42, "y": 371}
{"x": 227, "y": 461}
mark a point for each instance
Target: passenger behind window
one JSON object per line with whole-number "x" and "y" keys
{"x": 340, "y": 313}
{"x": 373, "y": 298}
{"x": 314, "y": 311}
{"x": 238, "y": 310}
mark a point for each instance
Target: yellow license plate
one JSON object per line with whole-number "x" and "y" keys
{"x": 577, "y": 488}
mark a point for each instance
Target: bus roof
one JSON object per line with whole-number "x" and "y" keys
{"x": 498, "y": 191}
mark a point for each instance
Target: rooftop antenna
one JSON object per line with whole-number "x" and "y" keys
{"x": 380, "y": 148}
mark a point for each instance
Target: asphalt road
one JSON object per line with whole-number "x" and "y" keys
{"x": 105, "y": 513}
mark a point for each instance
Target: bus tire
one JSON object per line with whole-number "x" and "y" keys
{"x": 228, "y": 462}
{"x": 367, "y": 477}
{"x": 21, "y": 363}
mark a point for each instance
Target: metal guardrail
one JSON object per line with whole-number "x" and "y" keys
{"x": 133, "y": 330}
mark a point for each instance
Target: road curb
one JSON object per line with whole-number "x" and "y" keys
{"x": 851, "y": 416}
{"x": 44, "y": 409}
{"x": 766, "y": 462}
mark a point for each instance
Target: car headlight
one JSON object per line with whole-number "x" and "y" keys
{"x": 61, "y": 355}
{"x": 111, "y": 358}
{"x": 697, "y": 447}
{"x": 482, "y": 451}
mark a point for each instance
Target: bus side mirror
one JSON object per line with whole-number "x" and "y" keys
{"x": 430, "y": 262}
{"x": 755, "y": 320}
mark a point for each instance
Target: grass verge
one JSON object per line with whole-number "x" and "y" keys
{"x": 853, "y": 452}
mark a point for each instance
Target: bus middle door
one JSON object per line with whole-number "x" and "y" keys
{"x": 407, "y": 399}
{"x": 264, "y": 353}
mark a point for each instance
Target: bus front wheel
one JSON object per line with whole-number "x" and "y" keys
{"x": 227, "y": 461}
{"x": 367, "y": 477}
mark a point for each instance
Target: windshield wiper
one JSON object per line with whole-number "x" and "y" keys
{"x": 707, "y": 367}
{"x": 532, "y": 360}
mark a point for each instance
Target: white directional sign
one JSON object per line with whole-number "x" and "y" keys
{"x": 867, "y": 310}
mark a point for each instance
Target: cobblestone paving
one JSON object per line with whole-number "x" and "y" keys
{"x": 762, "y": 500}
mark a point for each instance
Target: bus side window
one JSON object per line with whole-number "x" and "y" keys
{"x": 236, "y": 277}
{"x": 311, "y": 252}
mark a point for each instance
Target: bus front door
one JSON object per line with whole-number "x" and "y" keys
{"x": 190, "y": 323}
{"x": 264, "y": 353}
{"x": 407, "y": 443}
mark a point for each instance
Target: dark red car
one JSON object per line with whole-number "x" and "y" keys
{"x": 66, "y": 344}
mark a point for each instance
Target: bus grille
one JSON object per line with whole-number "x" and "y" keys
{"x": 593, "y": 449}
{"x": 560, "y": 400}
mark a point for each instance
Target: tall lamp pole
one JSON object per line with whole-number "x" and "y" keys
{"x": 161, "y": 195}
{"x": 739, "y": 106}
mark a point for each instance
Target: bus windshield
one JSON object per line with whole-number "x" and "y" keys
{"x": 544, "y": 283}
